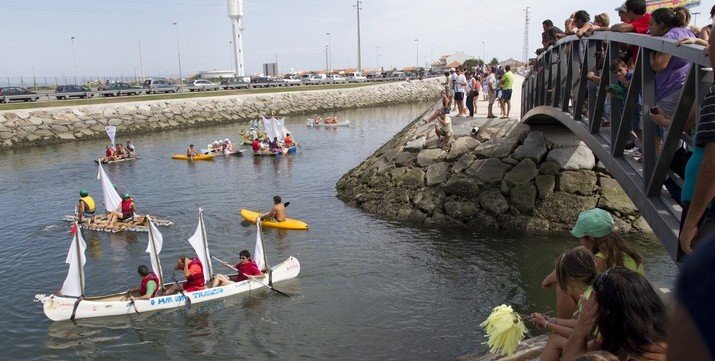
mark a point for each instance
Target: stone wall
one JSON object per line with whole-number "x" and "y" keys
{"x": 508, "y": 177}
{"x": 51, "y": 125}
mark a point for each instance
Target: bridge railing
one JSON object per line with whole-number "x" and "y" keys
{"x": 559, "y": 88}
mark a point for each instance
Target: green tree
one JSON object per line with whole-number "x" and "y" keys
{"x": 470, "y": 63}
{"x": 494, "y": 62}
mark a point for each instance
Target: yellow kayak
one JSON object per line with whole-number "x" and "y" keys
{"x": 289, "y": 223}
{"x": 196, "y": 157}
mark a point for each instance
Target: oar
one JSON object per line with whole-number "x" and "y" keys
{"x": 187, "y": 301}
{"x": 246, "y": 223}
{"x": 131, "y": 303}
{"x": 249, "y": 277}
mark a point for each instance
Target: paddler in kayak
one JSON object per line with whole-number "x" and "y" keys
{"x": 246, "y": 268}
{"x": 277, "y": 213}
{"x": 148, "y": 287}
{"x": 124, "y": 212}
{"x": 194, "y": 273}
{"x": 85, "y": 207}
{"x": 191, "y": 152}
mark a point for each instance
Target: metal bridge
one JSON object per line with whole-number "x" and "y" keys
{"x": 558, "y": 91}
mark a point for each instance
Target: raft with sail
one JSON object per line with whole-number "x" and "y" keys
{"x": 72, "y": 303}
{"x": 312, "y": 124}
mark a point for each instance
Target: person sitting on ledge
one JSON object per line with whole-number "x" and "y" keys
{"x": 443, "y": 128}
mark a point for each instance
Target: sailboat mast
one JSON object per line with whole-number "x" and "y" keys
{"x": 265, "y": 259}
{"x": 205, "y": 241}
{"x": 156, "y": 256}
{"x": 79, "y": 260}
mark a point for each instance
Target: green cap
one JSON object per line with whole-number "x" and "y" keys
{"x": 126, "y": 195}
{"x": 593, "y": 223}
{"x": 83, "y": 193}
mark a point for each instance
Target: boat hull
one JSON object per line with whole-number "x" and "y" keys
{"x": 196, "y": 157}
{"x": 59, "y": 308}
{"x": 289, "y": 223}
{"x": 291, "y": 150}
{"x": 237, "y": 153}
{"x": 311, "y": 124}
{"x": 116, "y": 161}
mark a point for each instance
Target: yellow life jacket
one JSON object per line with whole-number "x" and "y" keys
{"x": 89, "y": 201}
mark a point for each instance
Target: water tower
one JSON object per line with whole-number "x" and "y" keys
{"x": 235, "y": 13}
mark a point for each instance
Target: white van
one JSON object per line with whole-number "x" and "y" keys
{"x": 356, "y": 77}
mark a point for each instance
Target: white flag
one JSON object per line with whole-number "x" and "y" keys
{"x": 202, "y": 251}
{"x": 258, "y": 251}
{"x": 74, "y": 283}
{"x": 110, "y": 196}
{"x": 154, "y": 248}
{"x": 111, "y": 132}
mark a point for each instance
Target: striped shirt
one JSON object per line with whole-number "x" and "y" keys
{"x": 706, "y": 126}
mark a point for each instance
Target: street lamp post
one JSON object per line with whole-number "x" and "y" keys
{"x": 377, "y": 58}
{"x": 141, "y": 60}
{"x": 330, "y": 53}
{"x": 417, "y": 46}
{"x": 178, "y": 53}
{"x": 230, "y": 53}
{"x": 484, "y": 53}
{"x": 326, "y": 60}
{"x": 74, "y": 55}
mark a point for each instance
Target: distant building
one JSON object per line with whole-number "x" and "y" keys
{"x": 270, "y": 69}
{"x": 445, "y": 62}
{"x": 212, "y": 74}
{"x": 516, "y": 65}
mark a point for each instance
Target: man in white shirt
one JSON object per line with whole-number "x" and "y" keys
{"x": 460, "y": 91}
{"x": 492, "y": 90}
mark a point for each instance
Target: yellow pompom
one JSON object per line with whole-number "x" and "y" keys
{"x": 505, "y": 330}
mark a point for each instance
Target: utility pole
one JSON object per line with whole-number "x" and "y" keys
{"x": 326, "y": 60}
{"x": 484, "y": 52}
{"x": 74, "y": 55}
{"x": 178, "y": 53}
{"x": 330, "y": 53}
{"x": 377, "y": 58}
{"x": 525, "y": 51}
{"x": 417, "y": 46}
{"x": 359, "y": 58}
{"x": 141, "y": 60}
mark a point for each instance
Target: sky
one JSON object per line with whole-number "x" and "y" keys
{"x": 36, "y": 34}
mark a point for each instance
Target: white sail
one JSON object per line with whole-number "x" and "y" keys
{"x": 156, "y": 241}
{"x": 199, "y": 244}
{"x": 258, "y": 255}
{"x": 280, "y": 128}
{"x": 111, "y": 132}
{"x": 269, "y": 128}
{"x": 74, "y": 283}
{"x": 110, "y": 197}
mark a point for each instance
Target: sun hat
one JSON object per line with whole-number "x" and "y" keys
{"x": 593, "y": 223}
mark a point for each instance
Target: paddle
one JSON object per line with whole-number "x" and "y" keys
{"x": 131, "y": 303}
{"x": 246, "y": 223}
{"x": 187, "y": 301}
{"x": 249, "y": 277}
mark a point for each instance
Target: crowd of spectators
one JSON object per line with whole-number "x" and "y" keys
{"x": 605, "y": 308}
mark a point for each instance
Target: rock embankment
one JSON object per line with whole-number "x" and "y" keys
{"x": 20, "y": 128}
{"x": 509, "y": 176}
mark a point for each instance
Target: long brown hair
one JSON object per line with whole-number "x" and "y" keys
{"x": 613, "y": 248}
{"x": 577, "y": 264}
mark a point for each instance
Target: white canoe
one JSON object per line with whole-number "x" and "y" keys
{"x": 59, "y": 308}
{"x": 116, "y": 160}
{"x": 311, "y": 123}
{"x": 218, "y": 153}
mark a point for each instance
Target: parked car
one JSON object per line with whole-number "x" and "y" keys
{"x": 315, "y": 79}
{"x": 264, "y": 82}
{"x": 159, "y": 85}
{"x": 291, "y": 80}
{"x": 10, "y": 93}
{"x": 336, "y": 79}
{"x": 202, "y": 84}
{"x": 119, "y": 88}
{"x": 71, "y": 91}
{"x": 234, "y": 83}
{"x": 356, "y": 77}
{"x": 399, "y": 75}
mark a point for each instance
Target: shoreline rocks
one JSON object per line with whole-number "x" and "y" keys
{"x": 509, "y": 176}
{"x": 22, "y": 128}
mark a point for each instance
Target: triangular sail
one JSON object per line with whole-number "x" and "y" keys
{"x": 110, "y": 197}
{"x": 259, "y": 256}
{"x": 111, "y": 132}
{"x": 200, "y": 245}
{"x": 74, "y": 283}
{"x": 156, "y": 241}
{"x": 269, "y": 128}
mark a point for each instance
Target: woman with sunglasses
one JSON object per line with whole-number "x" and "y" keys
{"x": 630, "y": 317}
{"x": 595, "y": 230}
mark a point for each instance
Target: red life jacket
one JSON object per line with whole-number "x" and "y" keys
{"x": 150, "y": 277}
{"x": 127, "y": 207}
{"x": 197, "y": 280}
{"x": 250, "y": 268}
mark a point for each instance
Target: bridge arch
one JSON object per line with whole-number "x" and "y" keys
{"x": 558, "y": 91}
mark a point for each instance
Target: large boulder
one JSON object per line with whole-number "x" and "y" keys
{"x": 523, "y": 173}
{"x": 549, "y": 168}
{"x": 463, "y": 187}
{"x": 405, "y": 159}
{"x": 416, "y": 145}
{"x": 462, "y": 211}
{"x": 496, "y": 148}
{"x": 581, "y": 182}
{"x": 463, "y": 163}
{"x": 493, "y": 201}
{"x": 545, "y": 185}
{"x": 572, "y": 158}
{"x": 562, "y": 207}
{"x": 460, "y": 146}
{"x": 437, "y": 173}
{"x": 489, "y": 171}
{"x": 412, "y": 179}
{"x": 614, "y": 198}
{"x": 534, "y": 147}
{"x": 519, "y": 131}
{"x": 428, "y": 200}
{"x": 561, "y": 138}
{"x": 429, "y": 156}
{"x": 523, "y": 197}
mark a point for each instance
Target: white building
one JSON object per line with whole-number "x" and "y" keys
{"x": 450, "y": 61}
{"x": 210, "y": 74}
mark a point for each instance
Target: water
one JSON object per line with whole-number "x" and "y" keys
{"x": 369, "y": 289}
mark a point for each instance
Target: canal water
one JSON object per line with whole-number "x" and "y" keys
{"x": 369, "y": 289}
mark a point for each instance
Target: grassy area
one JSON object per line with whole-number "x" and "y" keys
{"x": 150, "y": 97}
